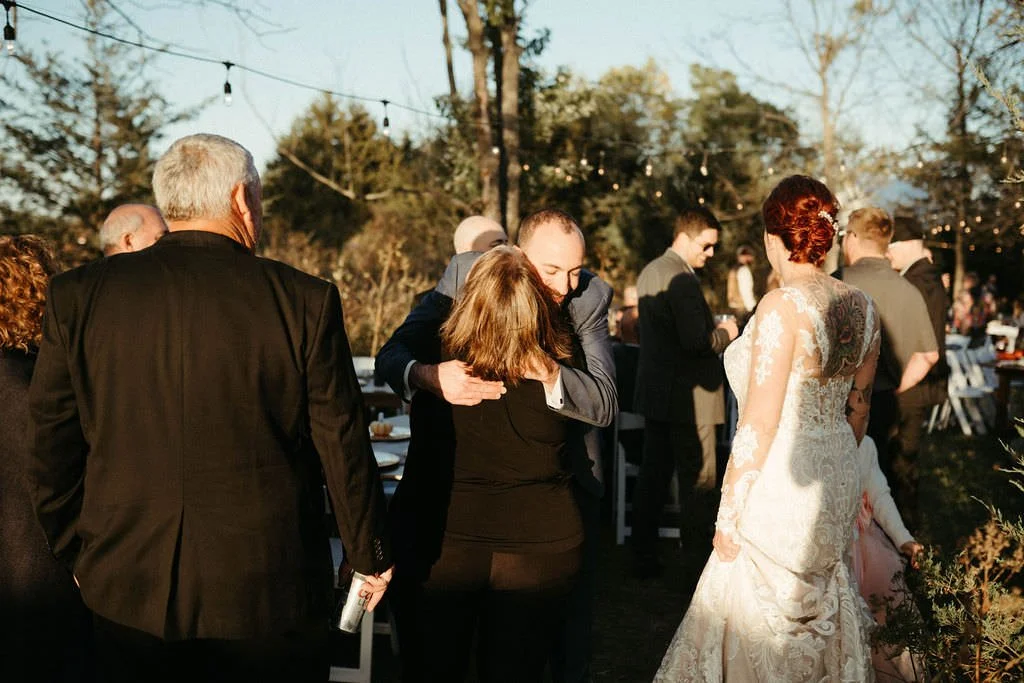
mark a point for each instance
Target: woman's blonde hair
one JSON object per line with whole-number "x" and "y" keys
{"x": 26, "y": 265}
{"x": 505, "y": 319}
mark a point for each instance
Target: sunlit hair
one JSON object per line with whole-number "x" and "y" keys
{"x": 872, "y": 225}
{"x": 26, "y": 265}
{"x": 195, "y": 177}
{"x": 802, "y": 212}
{"x": 529, "y": 225}
{"x": 504, "y": 319}
{"x": 693, "y": 221}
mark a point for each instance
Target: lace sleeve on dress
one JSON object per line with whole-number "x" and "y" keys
{"x": 773, "y": 345}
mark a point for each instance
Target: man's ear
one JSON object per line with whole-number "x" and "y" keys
{"x": 126, "y": 241}
{"x": 240, "y": 207}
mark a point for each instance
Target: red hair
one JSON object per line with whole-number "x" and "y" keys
{"x": 802, "y": 212}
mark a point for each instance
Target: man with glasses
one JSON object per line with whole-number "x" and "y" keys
{"x": 678, "y": 388}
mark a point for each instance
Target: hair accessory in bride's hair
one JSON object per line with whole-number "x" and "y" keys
{"x": 827, "y": 216}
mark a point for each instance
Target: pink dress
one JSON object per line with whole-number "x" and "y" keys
{"x": 876, "y": 559}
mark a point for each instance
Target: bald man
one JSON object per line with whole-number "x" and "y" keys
{"x": 478, "y": 233}
{"x": 131, "y": 227}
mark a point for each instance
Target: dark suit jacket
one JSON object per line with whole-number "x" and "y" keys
{"x": 180, "y": 402}
{"x": 680, "y": 376}
{"x": 926, "y": 277}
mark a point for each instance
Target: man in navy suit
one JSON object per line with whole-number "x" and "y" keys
{"x": 411, "y": 362}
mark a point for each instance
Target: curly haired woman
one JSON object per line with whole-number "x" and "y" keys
{"x": 44, "y": 632}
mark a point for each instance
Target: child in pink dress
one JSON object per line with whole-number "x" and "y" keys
{"x": 876, "y": 560}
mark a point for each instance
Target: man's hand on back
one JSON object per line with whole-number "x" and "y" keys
{"x": 453, "y": 382}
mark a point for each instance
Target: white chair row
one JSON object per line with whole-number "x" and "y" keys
{"x": 970, "y": 388}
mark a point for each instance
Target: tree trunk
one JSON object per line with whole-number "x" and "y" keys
{"x": 487, "y": 161}
{"x": 498, "y": 66}
{"x": 510, "y": 119}
{"x": 447, "y": 42}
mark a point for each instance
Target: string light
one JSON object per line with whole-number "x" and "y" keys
{"x": 387, "y": 121}
{"x": 227, "y": 83}
{"x": 977, "y": 219}
{"x": 995, "y": 231}
{"x": 568, "y": 178}
{"x": 9, "y": 33}
{"x": 600, "y": 163}
{"x": 495, "y": 150}
{"x": 583, "y": 161}
{"x": 700, "y": 201}
{"x": 967, "y": 231}
{"x": 920, "y": 164}
{"x": 771, "y": 170}
{"x": 615, "y": 186}
{"x": 739, "y": 206}
{"x": 649, "y": 169}
{"x": 526, "y": 167}
{"x": 999, "y": 250}
{"x": 658, "y": 194}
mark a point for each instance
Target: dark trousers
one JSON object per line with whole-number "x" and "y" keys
{"x": 514, "y": 604}
{"x": 914, "y": 408}
{"x": 672, "y": 446}
{"x": 570, "y": 661}
{"x": 127, "y": 655}
{"x": 882, "y": 423}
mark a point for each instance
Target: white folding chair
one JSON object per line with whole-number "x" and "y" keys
{"x": 964, "y": 399}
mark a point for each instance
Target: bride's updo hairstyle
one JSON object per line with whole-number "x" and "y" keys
{"x": 802, "y": 212}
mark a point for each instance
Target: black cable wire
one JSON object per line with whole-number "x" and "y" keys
{"x": 236, "y": 65}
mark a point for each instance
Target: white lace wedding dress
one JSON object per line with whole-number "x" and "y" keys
{"x": 786, "y": 608}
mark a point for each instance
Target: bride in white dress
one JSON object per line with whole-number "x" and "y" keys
{"x": 777, "y": 601}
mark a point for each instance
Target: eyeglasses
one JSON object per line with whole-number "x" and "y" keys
{"x": 708, "y": 247}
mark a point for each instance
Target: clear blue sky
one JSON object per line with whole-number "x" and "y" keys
{"x": 392, "y": 49}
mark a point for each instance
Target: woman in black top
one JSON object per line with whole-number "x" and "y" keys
{"x": 510, "y": 548}
{"x": 44, "y": 626}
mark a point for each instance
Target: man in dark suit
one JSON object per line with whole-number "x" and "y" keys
{"x": 908, "y": 257}
{"x": 187, "y": 403}
{"x": 411, "y": 363}
{"x": 679, "y": 383}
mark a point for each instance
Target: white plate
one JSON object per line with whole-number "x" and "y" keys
{"x": 397, "y": 434}
{"x": 385, "y": 459}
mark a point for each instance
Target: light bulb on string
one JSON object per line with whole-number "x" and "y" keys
{"x": 615, "y": 186}
{"x": 526, "y": 168}
{"x": 583, "y": 161}
{"x": 977, "y": 219}
{"x": 920, "y": 164}
{"x": 657, "y": 194}
{"x": 495, "y": 150}
{"x": 387, "y": 121}
{"x": 995, "y": 231}
{"x": 9, "y": 33}
{"x": 649, "y": 169}
{"x": 999, "y": 250}
{"x": 704, "y": 165}
{"x": 700, "y": 201}
{"x": 771, "y": 170}
{"x": 842, "y": 168}
{"x": 568, "y": 178}
{"x": 227, "y": 83}
{"x": 600, "y": 163}
{"x": 739, "y": 206}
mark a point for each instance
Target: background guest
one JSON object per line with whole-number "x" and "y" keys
{"x": 909, "y": 348}
{"x": 131, "y": 227}
{"x": 740, "y": 285}
{"x": 628, "y": 318}
{"x": 909, "y": 258}
{"x": 45, "y": 628}
{"x": 679, "y": 388}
